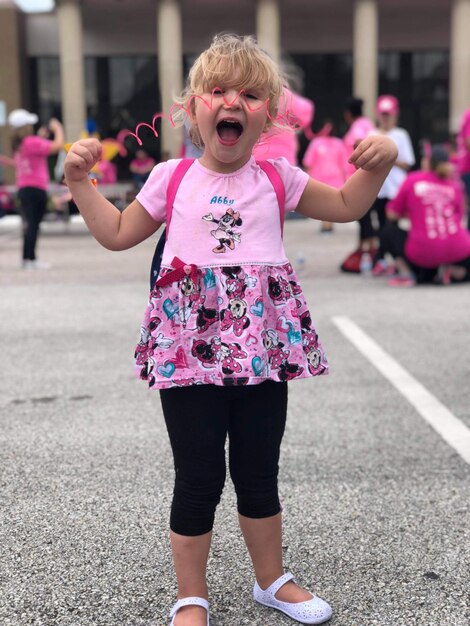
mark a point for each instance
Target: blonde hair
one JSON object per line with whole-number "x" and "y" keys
{"x": 233, "y": 62}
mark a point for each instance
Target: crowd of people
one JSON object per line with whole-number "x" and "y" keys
{"x": 435, "y": 246}
{"x": 431, "y": 201}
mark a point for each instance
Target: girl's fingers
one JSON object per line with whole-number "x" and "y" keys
{"x": 365, "y": 157}
{"x": 79, "y": 162}
{"x": 82, "y": 156}
{"x": 373, "y": 151}
{"x": 85, "y": 155}
{"x": 373, "y": 162}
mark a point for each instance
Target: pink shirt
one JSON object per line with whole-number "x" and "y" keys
{"x": 284, "y": 143}
{"x": 204, "y": 197}
{"x": 435, "y": 208}
{"x": 463, "y": 151}
{"x": 107, "y": 172}
{"x": 326, "y": 161}
{"x": 238, "y": 314}
{"x": 359, "y": 129}
{"x": 142, "y": 166}
{"x": 31, "y": 163}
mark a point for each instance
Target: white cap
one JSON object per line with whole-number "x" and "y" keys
{"x": 21, "y": 117}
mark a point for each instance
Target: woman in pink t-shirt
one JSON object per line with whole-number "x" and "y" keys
{"x": 283, "y": 142}
{"x": 359, "y": 127}
{"x": 436, "y": 245}
{"x": 326, "y": 161}
{"x": 463, "y": 147}
{"x": 30, "y": 153}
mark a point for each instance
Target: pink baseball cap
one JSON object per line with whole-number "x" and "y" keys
{"x": 388, "y": 105}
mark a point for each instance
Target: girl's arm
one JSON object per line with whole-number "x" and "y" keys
{"x": 111, "y": 228}
{"x": 374, "y": 158}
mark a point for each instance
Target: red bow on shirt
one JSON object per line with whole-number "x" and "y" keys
{"x": 180, "y": 270}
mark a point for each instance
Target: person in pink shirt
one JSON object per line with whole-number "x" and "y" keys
{"x": 325, "y": 160}
{"x": 463, "y": 151}
{"x": 106, "y": 172}
{"x": 227, "y": 325}
{"x": 437, "y": 246}
{"x": 141, "y": 166}
{"x": 359, "y": 127}
{"x": 30, "y": 153}
{"x": 284, "y": 142}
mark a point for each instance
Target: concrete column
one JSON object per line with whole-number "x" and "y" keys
{"x": 268, "y": 27}
{"x": 11, "y": 52}
{"x": 459, "y": 62}
{"x": 365, "y": 53}
{"x": 69, "y": 19}
{"x": 170, "y": 69}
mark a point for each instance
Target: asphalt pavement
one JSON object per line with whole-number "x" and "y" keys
{"x": 376, "y": 503}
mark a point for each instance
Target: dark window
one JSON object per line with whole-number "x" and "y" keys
{"x": 328, "y": 82}
{"x": 420, "y": 80}
{"x": 120, "y": 93}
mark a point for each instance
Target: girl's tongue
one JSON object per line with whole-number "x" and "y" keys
{"x": 228, "y": 131}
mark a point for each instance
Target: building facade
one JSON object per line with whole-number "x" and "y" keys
{"x": 118, "y": 62}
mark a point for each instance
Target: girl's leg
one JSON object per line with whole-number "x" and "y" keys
{"x": 263, "y": 539}
{"x": 196, "y": 420}
{"x": 256, "y": 428}
{"x": 190, "y": 556}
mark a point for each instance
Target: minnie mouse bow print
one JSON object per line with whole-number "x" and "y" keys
{"x": 224, "y": 233}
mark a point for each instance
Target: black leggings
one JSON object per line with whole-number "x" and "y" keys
{"x": 198, "y": 419}
{"x": 367, "y": 228}
{"x": 33, "y": 204}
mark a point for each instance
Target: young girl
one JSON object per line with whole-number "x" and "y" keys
{"x": 227, "y": 325}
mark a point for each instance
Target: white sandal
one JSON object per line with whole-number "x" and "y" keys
{"x": 186, "y": 602}
{"x": 314, "y": 611}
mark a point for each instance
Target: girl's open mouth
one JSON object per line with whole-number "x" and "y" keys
{"x": 229, "y": 131}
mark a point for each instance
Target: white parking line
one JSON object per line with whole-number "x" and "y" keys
{"x": 449, "y": 427}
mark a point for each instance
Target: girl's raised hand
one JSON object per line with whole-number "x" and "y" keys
{"x": 374, "y": 151}
{"x": 82, "y": 156}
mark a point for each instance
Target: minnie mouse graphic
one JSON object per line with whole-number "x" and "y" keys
{"x": 227, "y": 353}
{"x": 224, "y": 233}
{"x": 279, "y": 290}
{"x": 205, "y": 317}
{"x": 289, "y": 371}
{"x": 149, "y": 343}
{"x": 274, "y": 348}
{"x": 218, "y": 352}
{"x": 310, "y": 347}
{"x": 235, "y": 315}
{"x": 190, "y": 290}
{"x": 237, "y": 281}
{"x": 204, "y": 352}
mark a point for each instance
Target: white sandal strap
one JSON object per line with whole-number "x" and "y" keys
{"x": 277, "y": 584}
{"x": 188, "y": 601}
